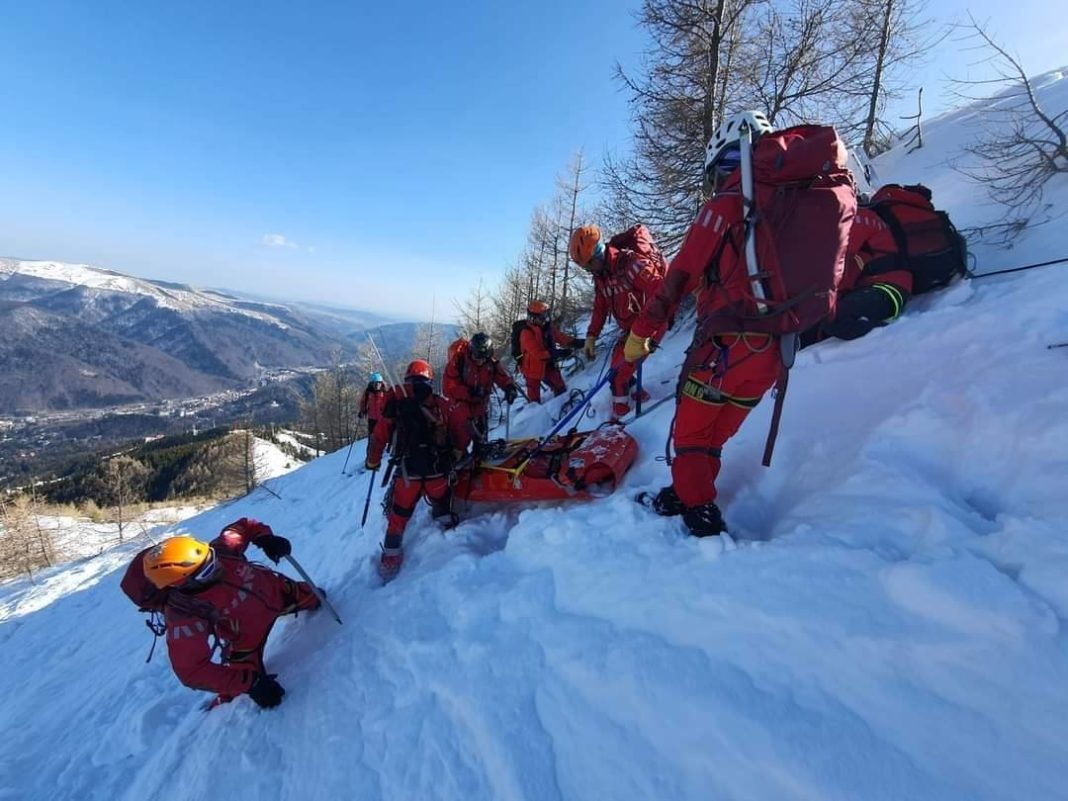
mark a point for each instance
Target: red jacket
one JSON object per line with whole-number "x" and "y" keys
{"x": 248, "y": 599}
{"x": 871, "y": 246}
{"x": 373, "y": 401}
{"x": 720, "y": 214}
{"x": 535, "y": 343}
{"x": 470, "y": 383}
{"x": 622, "y": 289}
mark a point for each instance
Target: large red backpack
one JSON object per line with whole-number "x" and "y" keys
{"x": 639, "y": 239}
{"x": 928, "y": 244}
{"x": 805, "y": 201}
{"x": 147, "y": 597}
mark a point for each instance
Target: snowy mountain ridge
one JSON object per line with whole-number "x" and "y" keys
{"x": 886, "y": 620}
{"x": 167, "y": 296}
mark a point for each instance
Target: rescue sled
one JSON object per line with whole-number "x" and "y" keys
{"x": 577, "y": 465}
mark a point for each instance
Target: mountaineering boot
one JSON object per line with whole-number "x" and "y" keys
{"x": 665, "y": 503}
{"x": 390, "y": 563}
{"x": 447, "y": 520}
{"x": 441, "y": 512}
{"x": 620, "y": 406}
{"x": 705, "y": 520}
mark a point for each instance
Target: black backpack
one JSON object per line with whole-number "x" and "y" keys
{"x": 423, "y": 447}
{"x": 517, "y": 330}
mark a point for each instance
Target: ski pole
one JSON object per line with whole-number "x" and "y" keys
{"x": 318, "y": 593}
{"x": 638, "y": 399}
{"x": 348, "y": 453}
{"x": 564, "y": 421}
{"x": 367, "y": 501}
{"x": 507, "y": 421}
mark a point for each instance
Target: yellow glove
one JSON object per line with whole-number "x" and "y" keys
{"x": 588, "y": 348}
{"x": 636, "y": 348}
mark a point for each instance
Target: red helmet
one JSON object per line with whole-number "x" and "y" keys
{"x": 419, "y": 369}
{"x": 537, "y": 307}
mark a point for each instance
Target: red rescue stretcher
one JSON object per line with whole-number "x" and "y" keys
{"x": 581, "y": 464}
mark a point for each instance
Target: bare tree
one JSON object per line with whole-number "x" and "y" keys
{"x": 43, "y": 539}
{"x": 24, "y": 544}
{"x": 570, "y": 187}
{"x": 122, "y": 481}
{"x": 1023, "y": 146}
{"x": 676, "y": 104}
{"x": 332, "y": 409}
{"x": 894, "y": 36}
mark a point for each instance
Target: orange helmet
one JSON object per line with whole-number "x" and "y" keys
{"x": 583, "y": 244}
{"x": 537, "y": 307}
{"x": 419, "y": 369}
{"x": 175, "y": 560}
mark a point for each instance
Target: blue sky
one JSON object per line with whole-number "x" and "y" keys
{"x": 377, "y": 156}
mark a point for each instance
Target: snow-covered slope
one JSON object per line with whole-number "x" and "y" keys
{"x": 886, "y": 621}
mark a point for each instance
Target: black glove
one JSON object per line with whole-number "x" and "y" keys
{"x": 265, "y": 691}
{"x": 563, "y": 353}
{"x": 510, "y": 394}
{"x": 273, "y": 546}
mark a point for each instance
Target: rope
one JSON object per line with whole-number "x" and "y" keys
{"x": 976, "y": 276}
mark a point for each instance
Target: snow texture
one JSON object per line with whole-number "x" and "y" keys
{"x": 884, "y": 622}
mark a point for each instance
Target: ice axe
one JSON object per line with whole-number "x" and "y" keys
{"x": 318, "y": 593}
{"x": 367, "y": 501}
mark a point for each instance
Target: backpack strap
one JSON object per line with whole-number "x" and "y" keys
{"x": 886, "y": 214}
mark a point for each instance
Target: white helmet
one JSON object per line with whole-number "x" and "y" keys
{"x": 727, "y": 134}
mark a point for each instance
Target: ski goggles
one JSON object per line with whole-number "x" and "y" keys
{"x": 728, "y": 161}
{"x": 598, "y": 253}
{"x": 208, "y": 570}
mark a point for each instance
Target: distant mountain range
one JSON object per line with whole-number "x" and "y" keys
{"x": 73, "y": 336}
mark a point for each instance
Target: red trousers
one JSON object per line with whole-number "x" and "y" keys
{"x": 406, "y": 494}
{"x": 552, "y": 378}
{"x": 714, "y": 402}
{"x": 624, "y": 370}
{"x": 470, "y": 419}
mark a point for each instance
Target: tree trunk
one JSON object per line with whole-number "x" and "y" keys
{"x": 877, "y": 81}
